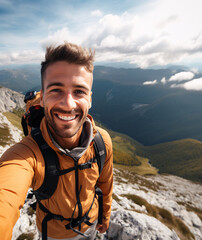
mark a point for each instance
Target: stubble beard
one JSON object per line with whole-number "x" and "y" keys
{"x": 61, "y": 132}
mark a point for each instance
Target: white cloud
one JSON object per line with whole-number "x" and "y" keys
{"x": 111, "y": 41}
{"x": 156, "y": 36}
{"x": 59, "y": 37}
{"x": 23, "y": 57}
{"x": 181, "y": 76}
{"x": 97, "y": 13}
{"x": 150, "y": 82}
{"x": 163, "y": 80}
{"x": 160, "y": 32}
{"x": 195, "y": 84}
{"x": 195, "y": 70}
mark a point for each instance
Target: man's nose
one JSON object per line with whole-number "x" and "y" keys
{"x": 68, "y": 102}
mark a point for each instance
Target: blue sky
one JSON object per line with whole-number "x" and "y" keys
{"x": 144, "y": 33}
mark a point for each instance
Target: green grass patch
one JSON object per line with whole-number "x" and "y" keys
{"x": 182, "y": 158}
{"x": 14, "y": 119}
{"x": 125, "y": 153}
{"x": 144, "y": 169}
{"x": 5, "y": 136}
{"x": 19, "y": 112}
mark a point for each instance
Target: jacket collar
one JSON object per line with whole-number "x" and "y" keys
{"x": 86, "y": 138}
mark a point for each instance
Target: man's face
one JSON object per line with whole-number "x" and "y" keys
{"x": 66, "y": 98}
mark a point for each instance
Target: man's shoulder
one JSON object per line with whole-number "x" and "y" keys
{"x": 106, "y": 137}
{"x": 102, "y": 131}
{"x": 22, "y": 150}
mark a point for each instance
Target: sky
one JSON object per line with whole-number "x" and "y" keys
{"x": 141, "y": 33}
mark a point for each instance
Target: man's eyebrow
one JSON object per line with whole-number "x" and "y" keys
{"x": 81, "y": 86}
{"x": 57, "y": 84}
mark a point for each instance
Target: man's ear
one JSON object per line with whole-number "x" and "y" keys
{"x": 41, "y": 97}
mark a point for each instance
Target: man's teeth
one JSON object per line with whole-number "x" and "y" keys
{"x": 66, "y": 118}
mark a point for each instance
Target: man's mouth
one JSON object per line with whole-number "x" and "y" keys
{"x": 66, "y": 118}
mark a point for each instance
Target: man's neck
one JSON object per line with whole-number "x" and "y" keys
{"x": 68, "y": 143}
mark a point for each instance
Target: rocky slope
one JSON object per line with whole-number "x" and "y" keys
{"x": 130, "y": 220}
{"x": 15, "y": 133}
{"x": 10, "y": 99}
{"x": 169, "y": 195}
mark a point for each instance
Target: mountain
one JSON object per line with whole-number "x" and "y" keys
{"x": 151, "y": 114}
{"x": 147, "y": 206}
{"x": 20, "y": 79}
{"x": 10, "y": 123}
{"x": 26, "y": 77}
{"x": 182, "y": 158}
{"x": 134, "y": 76}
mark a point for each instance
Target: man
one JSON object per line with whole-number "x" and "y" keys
{"x": 67, "y": 76}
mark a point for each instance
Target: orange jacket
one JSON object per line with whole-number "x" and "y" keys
{"x": 22, "y": 166}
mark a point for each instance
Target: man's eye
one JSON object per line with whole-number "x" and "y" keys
{"x": 79, "y": 91}
{"x": 55, "y": 90}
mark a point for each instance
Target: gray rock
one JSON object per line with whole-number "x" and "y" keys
{"x": 129, "y": 225}
{"x": 10, "y": 100}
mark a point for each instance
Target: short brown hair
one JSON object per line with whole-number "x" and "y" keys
{"x": 70, "y": 53}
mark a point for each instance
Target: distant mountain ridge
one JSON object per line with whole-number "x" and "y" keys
{"x": 20, "y": 79}
{"x": 151, "y": 114}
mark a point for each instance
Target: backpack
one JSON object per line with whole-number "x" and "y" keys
{"x": 31, "y": 123}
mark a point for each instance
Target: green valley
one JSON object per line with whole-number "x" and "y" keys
{"x": 182, "y": 158}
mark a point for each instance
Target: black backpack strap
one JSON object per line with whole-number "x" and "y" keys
{"x": 100, "y": 153}
{"x": 100, "y": 150}
{"x": 98, "y": 192}
{"x": 51, "y": 177}
{"x": 24, "y": 125}
{"x": 52, "y": 173}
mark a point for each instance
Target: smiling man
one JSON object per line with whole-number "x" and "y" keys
{"x": 66, "y": 96}
{"x": 74, "y": 210}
